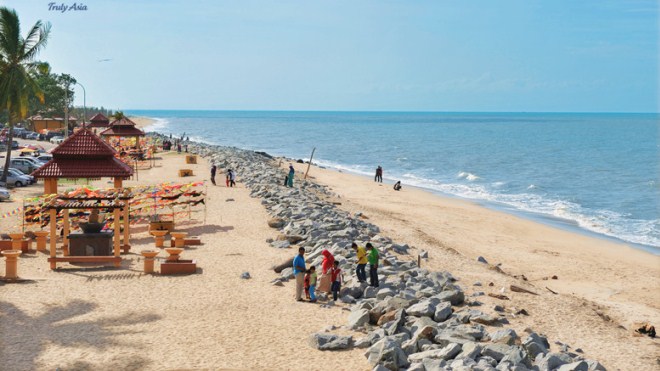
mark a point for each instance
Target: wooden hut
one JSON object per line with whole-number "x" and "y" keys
{"x": 123, "y": 128}
{"x": 99, "y": 121}
{"x": 84, "y": 155}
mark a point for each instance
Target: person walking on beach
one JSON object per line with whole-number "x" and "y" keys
{"x": 312, "y": 284}
{"x": 213, "y": 170}
{"x": 178, "y": 148}
{"x": 325, "y": 282}
{"x": 361, "y": 262}
{"x": 373, "y": 264}
{"x": 335, "y": 273}
{"x": 232, "y": 177}
{"x": 292, "y": 172}
{"x": 299, "y": 272}
{"x": 379, "y": 174}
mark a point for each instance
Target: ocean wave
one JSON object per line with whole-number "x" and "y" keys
{"x": 532, "y": 186}
{"x": 468, "y": 176}
{"x": 158, "y": 125}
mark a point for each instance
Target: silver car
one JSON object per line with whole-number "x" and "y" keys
{"x": 4, "y": 194}
{"x": 16, "y": 179}
{"x": 19, "y": 174}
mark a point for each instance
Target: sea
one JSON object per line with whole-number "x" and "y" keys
{"x": 593, "y": 173}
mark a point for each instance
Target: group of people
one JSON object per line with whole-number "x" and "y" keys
{"x": 230, "y": 179}
{"x": 331, "y": 274}
{"x": 379, "y": 178}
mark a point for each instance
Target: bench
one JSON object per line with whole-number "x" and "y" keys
{"x": 185, "y": 172}
{"x": 116, "y": 260}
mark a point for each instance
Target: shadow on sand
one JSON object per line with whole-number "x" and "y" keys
{"x": 60, "y": 325}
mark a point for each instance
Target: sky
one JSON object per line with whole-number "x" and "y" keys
{"x": 458, "y": 56}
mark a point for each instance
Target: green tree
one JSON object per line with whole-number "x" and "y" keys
{"x": 56, "y": 89}
{"x": 18, "y": 69}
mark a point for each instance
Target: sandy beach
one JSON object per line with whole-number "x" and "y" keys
{"x": 103, "y": 318}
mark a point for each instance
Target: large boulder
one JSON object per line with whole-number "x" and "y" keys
{"x": 387, "y": 352}
{"x": 448, "y": 352}
{"x": 276, "y": 223}
{"x": 455, "y": 297}
{"x": 505, "y": 336}
{"x": 470, "y": 350}
{"x": 424, "y": 308}
{"x": 496, "y": 351}
{"x": 535, "y": 344}
{"x": 442, "y": 312}
{"x": 325, "y": 341}
{"x": 358, "y": 318}
{"x": 575, "y": 366}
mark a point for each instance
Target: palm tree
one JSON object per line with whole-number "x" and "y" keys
{"x": 119, "y": 115}
{"x": 17, "y": 70}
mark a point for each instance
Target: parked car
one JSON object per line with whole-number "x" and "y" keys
{"x": 45, "y": 158}
{"x": 51, "y": 134}
{"x": 38, "y": 163}
{"x": 23, "y": 164}
{"x": 27, "y": 134}
{"x": 56, "y": 140}
{"x": 18, "y": 173}
{"x": 16, "y": 179}
{"x": 33, "y": 136}
{"x": 4, "y": 194}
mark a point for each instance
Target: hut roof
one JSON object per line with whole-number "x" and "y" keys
{"x": 123, "y": 127}
{"x": 99, "y": 121}
{"x": 83, "y": 155}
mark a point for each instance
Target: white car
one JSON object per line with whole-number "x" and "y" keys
{"x": 45, "y": 158}
{"x": 4, "y": 194}
{"x": 56, "y": 140}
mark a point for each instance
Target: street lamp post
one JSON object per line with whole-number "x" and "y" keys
{"x": 84, "y": 103}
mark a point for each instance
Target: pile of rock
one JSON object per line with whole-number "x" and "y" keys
{"x": 416, "y": 319}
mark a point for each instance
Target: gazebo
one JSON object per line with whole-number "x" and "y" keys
{"x": 123, "y": 128}
{"x": 84, "y": 155}
{"x": 98, "y": 121}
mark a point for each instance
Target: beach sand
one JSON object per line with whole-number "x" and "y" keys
{"x": 603, "y": 287}
{"x": 122, "y": 319}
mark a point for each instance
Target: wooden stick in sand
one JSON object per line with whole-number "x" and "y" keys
{"x": 310, "y": 162}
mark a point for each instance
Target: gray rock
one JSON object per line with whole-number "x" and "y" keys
{"x": 417, "y": 367}
{"x": 535, "y": 344}
{"x": 517, "y": 356}
{"x": 575, "y": 366}
{"x": 387, "y": 352}
{"x": 280, "y": 244}
{"x": 287, "y": 273}
{"x": 362, "y": 343}
{"x": 448, "y": 352}
{"x": 358, "y": 318}
{"x": 594, "y": 365}
{"x": 455, "y": 297}
{"x": 394, "y": 326}
{"x": 370, "y": 292}
{"x": 325, "y": 341}
{"x": 424, "y": 254}
{"x": 442, "y": 312}
{"x": 347, "y": 299}
{"x": 496, "y": 351}
{"x": 434, "y": 364}
{"x": 276, "y": 223}
{"x": 245, "y": 275}
{"x": 552, "y": 361}
{"x": 422, "y": 309}
{"x": 481, "y": 259}
{"x": 470, "y": 350}
{"x": 385, "y": 292}
{"x": 505, "y": 336}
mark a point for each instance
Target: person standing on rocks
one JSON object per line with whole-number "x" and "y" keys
{"x": 213, "y": 170}
{"x": 335, "y": 273}
{"x": 361, "y": 262}
{"x": 373, "y": 264}
{"x": 299, "y": 272}
{"x": 312, "y": 284}
{"x": 292, "y": 172}
{"x": 325, "y": 282}
{"x": 379, "y": 174}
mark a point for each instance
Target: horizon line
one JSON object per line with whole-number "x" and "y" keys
{"x": 380, "y": 111}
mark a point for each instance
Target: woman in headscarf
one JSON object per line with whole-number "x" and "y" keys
{"x": 325, "y": 282}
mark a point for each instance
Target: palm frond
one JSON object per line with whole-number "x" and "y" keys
{"x": 37, "y": 41}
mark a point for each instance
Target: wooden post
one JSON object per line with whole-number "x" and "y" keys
{"x": 118, "y": 183}
{"x": 53, "y": 236}
{"x": 117, "y": 236}
{"x": 127, "y": 234}
{"x": 65, "y": 236}
{"x": 419, "y": 261}
{"x": 310, "y": 162}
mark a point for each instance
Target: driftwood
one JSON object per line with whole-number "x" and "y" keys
{"x": 498, "y": 296}
{"x": 520, "y": 289}
{"x": 280, "y": 267}
{"x": 547, "y": 288}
